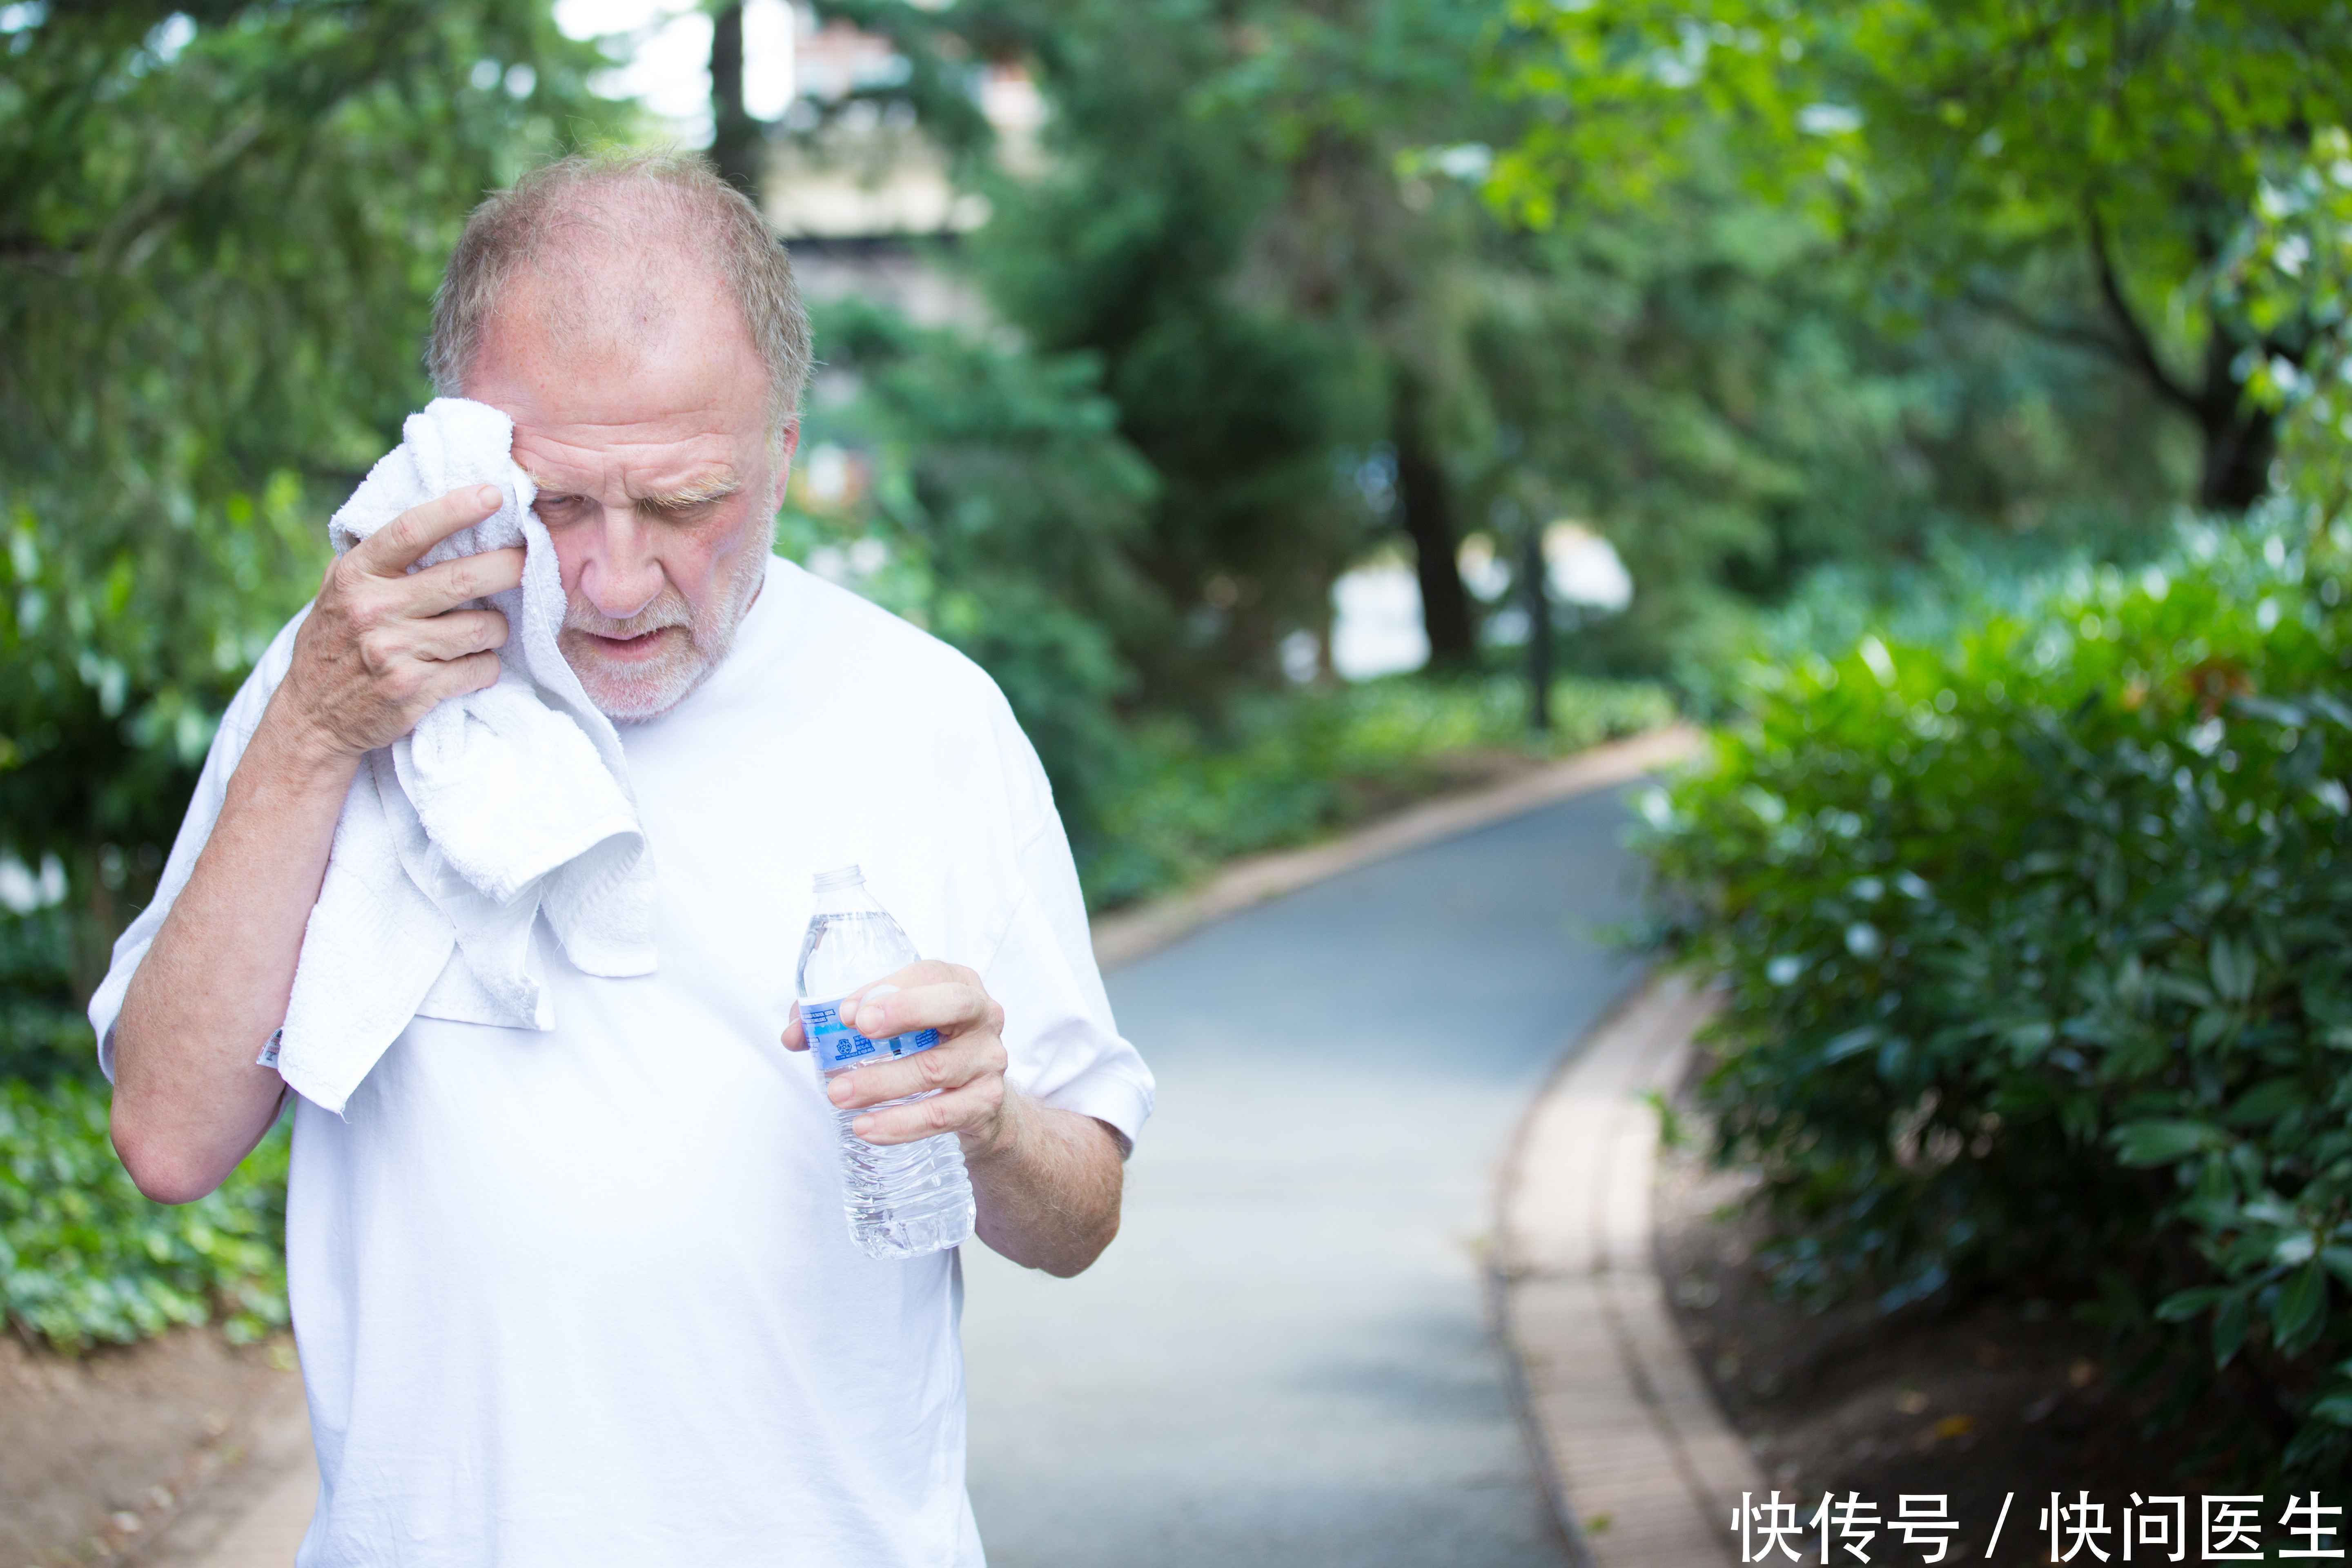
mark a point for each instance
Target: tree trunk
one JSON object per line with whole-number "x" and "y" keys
{"x": 2240, "y": 437}
{"x": 736, "y": 143}
{"x": 1536, "y": 583}
{"x": 1426, "y": 503}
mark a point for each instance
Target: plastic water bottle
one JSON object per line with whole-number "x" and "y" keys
{"x": 904, "y": 1199}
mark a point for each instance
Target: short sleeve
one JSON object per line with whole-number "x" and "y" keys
{"x": 1065, "y": 1049}
{"x": 229, "y": 740}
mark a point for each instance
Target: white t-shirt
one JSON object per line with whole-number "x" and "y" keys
{"x": 587, "y": 1297}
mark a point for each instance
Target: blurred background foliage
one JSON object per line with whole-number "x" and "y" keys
{"x": 1296, "y": 233}
{"x": 2077, "y": 170}
{"x": 1865, "y": 318}
{"x": 210, "y": 318}
{"x": 1000, "y": 512}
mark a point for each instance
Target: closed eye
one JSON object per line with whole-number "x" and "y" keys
{"x": 688, "y": 505}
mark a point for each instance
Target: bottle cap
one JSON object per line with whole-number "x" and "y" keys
{"x": 840, "y": 877}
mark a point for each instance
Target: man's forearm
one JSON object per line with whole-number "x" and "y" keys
{"x": 1048, "y": 1193}
{"x": 189, "y": 1101}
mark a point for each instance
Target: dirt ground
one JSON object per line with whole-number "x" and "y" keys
{"x": 134, "y": 1455}
{"x": 2010, "y": 1397}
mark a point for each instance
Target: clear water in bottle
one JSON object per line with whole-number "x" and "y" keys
{"x": 904, "y": 1199}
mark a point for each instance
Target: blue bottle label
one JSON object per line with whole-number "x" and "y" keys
{"x": 836, "y": 1046}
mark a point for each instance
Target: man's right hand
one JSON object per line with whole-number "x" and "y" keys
{"x": 383, "y": 644}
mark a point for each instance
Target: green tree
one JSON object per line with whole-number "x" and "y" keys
{"x": 1135, "y": 245}
{"x": 2294, "y": 265}
{"x": 1730, "y": 393}
{"x": 1265, "y": 219}
{"x": 1337, "y": 100}
{"x": 2076, "y": 169}
{"x": 1736, "y": 402}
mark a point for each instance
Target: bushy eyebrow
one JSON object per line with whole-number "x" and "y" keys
{"x": 715, "y": 486}
{"x": 712, "y": 486}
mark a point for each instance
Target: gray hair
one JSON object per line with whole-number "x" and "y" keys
{"x": 628, "y": 194}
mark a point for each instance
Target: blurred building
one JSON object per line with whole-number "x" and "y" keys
{"x": 865, "y": 200}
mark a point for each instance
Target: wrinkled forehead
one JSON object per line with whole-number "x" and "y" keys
{"x": 624, "y": 353}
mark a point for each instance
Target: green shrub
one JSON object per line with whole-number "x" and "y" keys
{"x": 85, "y": 1259}
{"x": 1301, "y": 763}
{"x": 43, "y": 1034}
{"x": 2035, "y": 943}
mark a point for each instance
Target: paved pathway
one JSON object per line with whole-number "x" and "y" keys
{"x": 1287, "y": 1358}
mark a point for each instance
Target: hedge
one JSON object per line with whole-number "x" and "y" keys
{"x": 2037, "y": 945}
{"x": 85, "y": 1259}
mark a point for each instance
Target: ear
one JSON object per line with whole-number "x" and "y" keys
{"x": 787, "y": 443}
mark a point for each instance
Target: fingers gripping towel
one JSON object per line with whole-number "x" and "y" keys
{"x": 501, "y": 806}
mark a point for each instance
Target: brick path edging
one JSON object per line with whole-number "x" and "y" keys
{"x": 1642, "y": 1469}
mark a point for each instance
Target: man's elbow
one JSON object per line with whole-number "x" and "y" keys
{"x": 1082, "y": 1256}
{"x": 162, "y": 1170}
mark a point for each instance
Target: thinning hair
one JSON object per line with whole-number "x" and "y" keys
{"x": 552, "y": 221}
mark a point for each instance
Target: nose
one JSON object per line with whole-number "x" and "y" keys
{"x": 619, "y": 572}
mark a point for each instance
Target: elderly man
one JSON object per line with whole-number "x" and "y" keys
{"x": 585, "y": 1296}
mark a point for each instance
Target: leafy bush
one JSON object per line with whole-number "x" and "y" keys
{"x": 2033, "y": 942}
{"x": 85, "y": 1259}
{"x": 1301, "y": 763}
{"x": 43, "y": 1034}
{"x": 1953, "y": 582}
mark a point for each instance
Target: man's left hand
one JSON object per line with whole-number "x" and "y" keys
{"x": 967, "y": 1067}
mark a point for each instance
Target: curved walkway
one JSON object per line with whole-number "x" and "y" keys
{"x": 1288, "y": 1358}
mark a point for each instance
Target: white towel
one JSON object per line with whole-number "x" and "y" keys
{"x": 501, "y": 806}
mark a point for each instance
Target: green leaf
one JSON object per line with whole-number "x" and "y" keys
{"x": 1853, "y": 1043}
{"x": 2032, "y": 1037}
{"x": 2232, "y": 964}
{"x": 2300, "y": 1308}
{"x": 2229, "y": 1320}
{"x": 2267, "y": 1102}
{"x": 2210, "y": 1027}
{"x": 2183, "y": 1305}
{"x": 2160, "y": 1142}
